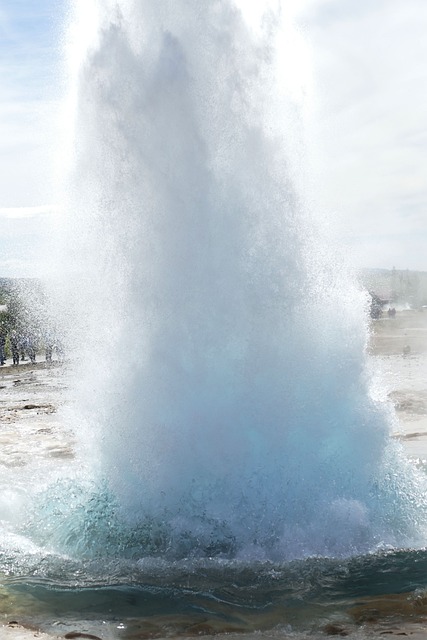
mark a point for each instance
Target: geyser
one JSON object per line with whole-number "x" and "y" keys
{"x": 224, "y": 400}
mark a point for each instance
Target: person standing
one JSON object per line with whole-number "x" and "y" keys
{"x": 2, "y": 346}
{"x": 48, "y": 346}
{"x": 15, "y": 346}
{"x": 31, "y": 347}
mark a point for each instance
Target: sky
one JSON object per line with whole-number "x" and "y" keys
{"x": 366, "y": 127}
{"x": 30, "y": 54}
{"x": 370, "y": 126}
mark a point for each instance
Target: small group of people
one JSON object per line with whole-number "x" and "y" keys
{"x": 23, "y": 345}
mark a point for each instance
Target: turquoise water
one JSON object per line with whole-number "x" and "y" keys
{"x": 192, "y": 597}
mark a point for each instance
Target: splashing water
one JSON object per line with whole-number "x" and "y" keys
{"x": 223, "y": 398}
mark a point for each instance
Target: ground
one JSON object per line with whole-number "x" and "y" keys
{"x": 31, "y": 398}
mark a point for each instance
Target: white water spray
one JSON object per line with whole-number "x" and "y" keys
{"x": 221, "y": 356}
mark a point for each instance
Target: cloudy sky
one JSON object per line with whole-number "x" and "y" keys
{"x": 30, "y": 35}
{"x": 367, "y": 128}
{"x": 370, "y": 125}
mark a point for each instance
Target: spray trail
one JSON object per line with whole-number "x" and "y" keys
{"x": 224, "y": 393}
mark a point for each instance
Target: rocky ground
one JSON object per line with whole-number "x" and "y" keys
{"x": 399, "y": 347}
{"x": 30, "y": 396}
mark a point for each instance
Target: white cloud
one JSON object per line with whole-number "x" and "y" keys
{"x": 28, "y": 101}
{"x": 368, "y": 129}
{"x": 25, "y": 212}
{"x": 27, "y": 238}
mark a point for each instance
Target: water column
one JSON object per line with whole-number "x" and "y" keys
{"x": 222, "y": 397}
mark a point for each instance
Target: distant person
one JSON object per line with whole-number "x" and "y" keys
{"x": 375, "y": 310}
{"x": 30, "y": 347}
{"x": 23, "y": 345}
{"x": 2, "y": 346}
{"x": 15, "y": 346}
{"x": 60, "y": 350}
{"x": 21, "y": 336}
{"x": 49, "y": 344}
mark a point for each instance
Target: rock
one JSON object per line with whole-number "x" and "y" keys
{"x": 77, "y": 634}
{"x": 332, "y": 629}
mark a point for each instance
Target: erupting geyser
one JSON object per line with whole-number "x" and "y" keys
{"x": 223, "y": 398}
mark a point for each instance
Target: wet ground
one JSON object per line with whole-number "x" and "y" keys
{"x": 30, "y": 396}
{"x": 32, "y": 431}
{"x": 399, "y": 347}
